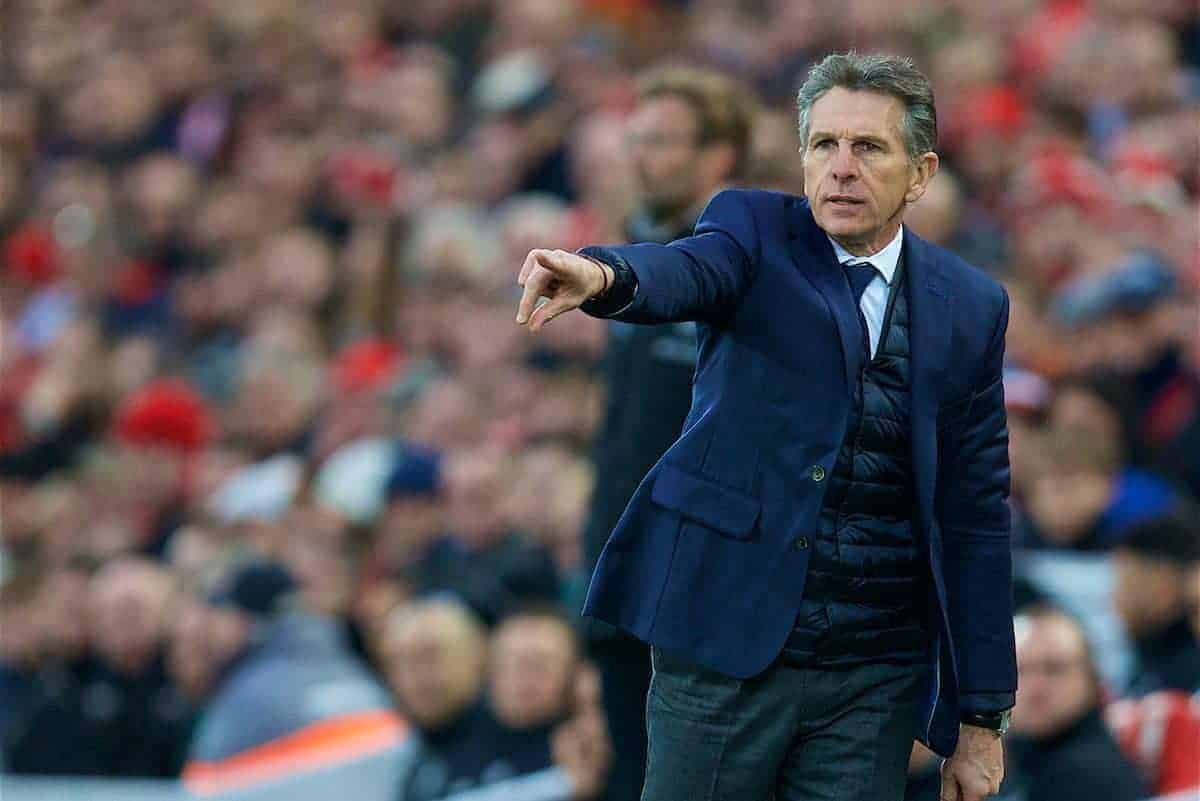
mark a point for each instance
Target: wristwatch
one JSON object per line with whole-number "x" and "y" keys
{"x": 996, "y": 721}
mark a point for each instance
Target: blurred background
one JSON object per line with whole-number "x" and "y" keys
{"x": 285, "y": 492}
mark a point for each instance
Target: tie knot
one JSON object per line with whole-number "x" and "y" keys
{"x": 860, "y": 275}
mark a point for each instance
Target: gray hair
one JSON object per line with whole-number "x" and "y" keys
{"x": 897, "y": 76}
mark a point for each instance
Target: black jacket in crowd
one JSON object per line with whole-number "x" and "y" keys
{"x": 648, "y": 373}
{"x": 1083, "y": 763}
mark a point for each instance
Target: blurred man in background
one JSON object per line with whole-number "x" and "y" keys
{"x": 1151, "y": 598}
{"x": 689, "y": 136}
{"x": 284, "y": 675}
{"x": 479, "y": 557}
{"x": 505, "y": 742}
{"x": 1061, "y": 749}
{"x": 115, "y": 713}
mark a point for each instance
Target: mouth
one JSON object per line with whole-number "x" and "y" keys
{"x": 843, "y": 201}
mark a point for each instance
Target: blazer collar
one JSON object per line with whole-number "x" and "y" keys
{"x": 813, "y": 252}
{"x": 885, "y": 261}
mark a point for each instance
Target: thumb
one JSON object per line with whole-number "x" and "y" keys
{"x": 548, "y": 311}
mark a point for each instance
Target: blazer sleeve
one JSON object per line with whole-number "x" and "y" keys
{"x": 701, "y": 277}
{"x": 974, "y": 518}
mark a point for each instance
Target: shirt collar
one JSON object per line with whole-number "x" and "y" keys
{"x": 884, "y": 261}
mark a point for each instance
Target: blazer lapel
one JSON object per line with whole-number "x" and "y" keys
{"x": 813, "y": 255}
{"x": 929, "y": 327}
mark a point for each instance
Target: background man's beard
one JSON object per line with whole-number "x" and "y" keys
{"x": 662, "y": 209}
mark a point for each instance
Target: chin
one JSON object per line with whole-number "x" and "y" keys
{"x": 849, "y": 229}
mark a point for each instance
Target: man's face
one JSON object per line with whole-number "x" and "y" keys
{"x": 1067, "y": 503}
{"x": 533, "y": 661}
{"x": 128, "y": 609}
{"x": 1057, "y": 686}
{"x": 435, "y": 672}
{"x": 664, "y": 142}
{"x": 857, "y": 173}
{"x": 1148, "y": 593}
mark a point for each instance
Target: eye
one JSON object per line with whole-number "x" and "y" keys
{"x": 822, "y": 143}
{"x": 863, "y": 146}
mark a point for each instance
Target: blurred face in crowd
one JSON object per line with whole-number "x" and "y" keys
{"x": 1084, "y": 411}
{"x": 674, "y": 169}
{"x": 434, "y": 661}
{"x": 474, "y": 495}
{"x": 1057, "y": 685}
{"x": 410, "y": 523}
{"x": 1130, "y": 343}
{"x": 129, "y": 603}
{"x": 532, "y": 670}
{"x": 161, "y": 189}
{"x": 62, "y": 606}
{"x": 1149, "y": 593}
{"x": 773, "y": 162}
{"x": 191, "y": 658}
{"x": 1192, "y": 591}
{"x": 316, "y": 554}
{"x": 935, "y": 215}
{"x": 1074, "y": 480}
{"x": 1066, "y": 503}
{"x": 297, "y": 269}
{"x": 20, "y": 644}
{"x": 857, "y": 174}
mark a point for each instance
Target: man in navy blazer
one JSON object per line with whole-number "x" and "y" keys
{"x": 821, "y": 562}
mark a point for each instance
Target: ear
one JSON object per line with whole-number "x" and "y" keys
{"x": 718, "y": 160}
{"x": 919, "y": 176}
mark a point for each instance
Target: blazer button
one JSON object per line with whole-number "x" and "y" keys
{"x": 818, "y": 473}
{"x": 800, "y": 543}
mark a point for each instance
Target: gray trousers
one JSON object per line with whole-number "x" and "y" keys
{"x": 789, "y": 734}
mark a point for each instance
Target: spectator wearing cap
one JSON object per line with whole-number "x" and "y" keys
{"x": 689, "y": 136}
{"x": 1026, "y": 398}
{"x": 1134, "y": 320}
{"x": 1151, "y": 598}
{"x": 411, "y": 518}
{"x": 478, "y": 557}
{"x": 289, "y": 696}
{"x": 160, "y": 429}
{"x": 1061, "y": 749}
{"x": 1082, "y": 493}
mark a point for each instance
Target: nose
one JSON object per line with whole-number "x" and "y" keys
{"x": 845, "y": 165}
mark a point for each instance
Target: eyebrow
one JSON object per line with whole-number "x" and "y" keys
{"x": 818, "y": 135}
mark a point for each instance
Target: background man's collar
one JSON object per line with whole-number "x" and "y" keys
{"x": 885, "y": 260}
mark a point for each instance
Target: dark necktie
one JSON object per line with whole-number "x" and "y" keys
{"x": 860, "y": 275}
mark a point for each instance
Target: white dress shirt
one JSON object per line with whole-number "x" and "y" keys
{"x": 875, "y": 296}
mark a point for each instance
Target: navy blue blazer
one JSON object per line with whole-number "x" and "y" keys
{"x": 704, "y": 561}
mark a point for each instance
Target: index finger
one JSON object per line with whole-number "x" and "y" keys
{"x": 529, "y": 297}
{"x": 537, "y": 258}
{"x": 527, "y": 267}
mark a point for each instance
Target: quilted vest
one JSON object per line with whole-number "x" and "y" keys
{"x": 863, "y": 591}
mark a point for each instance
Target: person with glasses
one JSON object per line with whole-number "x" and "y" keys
{"x": 1060, "y": 748}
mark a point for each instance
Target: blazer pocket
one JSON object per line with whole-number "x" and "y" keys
{"x": 955, "y": 412}
{"x": 727, "y": 510}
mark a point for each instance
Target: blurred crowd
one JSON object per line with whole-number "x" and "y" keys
{"x": 259, "y": 369}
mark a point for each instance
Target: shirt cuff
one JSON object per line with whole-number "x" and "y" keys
{"x": 985, "y": 703}
{"x": 621, "y": 294}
